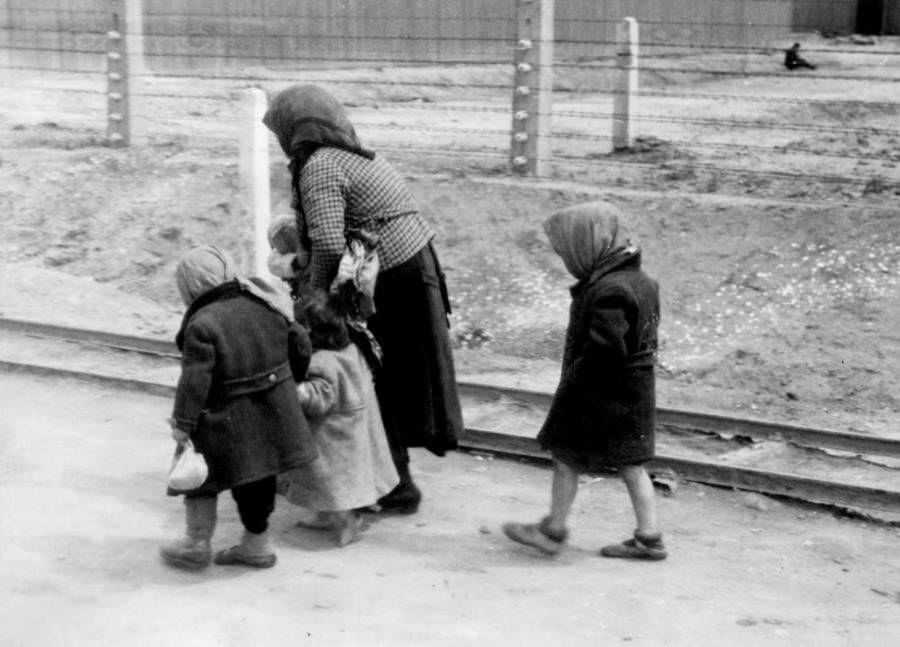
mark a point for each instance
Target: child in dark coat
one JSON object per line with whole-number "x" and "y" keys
{"x": 236, "y": 402}
{"x": 603, "y": 412}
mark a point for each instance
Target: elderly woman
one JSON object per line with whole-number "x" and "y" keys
{"x": 338, "y": 186}
{"x": 236, "y": 401}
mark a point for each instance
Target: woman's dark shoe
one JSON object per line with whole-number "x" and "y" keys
{"x": 403, "y": 499}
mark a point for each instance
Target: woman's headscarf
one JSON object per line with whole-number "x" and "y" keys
{"x": 201, "y": 269}
{"x": 589, "y": 237}
{"x": 304, "y": 116}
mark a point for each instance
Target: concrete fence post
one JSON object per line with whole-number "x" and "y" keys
{"x": 117, "y": 99}
{"x": 532, "y": 87}
{"x": 124, "y": 56}
{"x": 254, "y": 172}
{"x": 134, "y": 45}
{"x": 625, "y": 98}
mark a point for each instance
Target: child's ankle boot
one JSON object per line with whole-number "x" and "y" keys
{"x": 193, "y": 552}
{"x": 348, "y": 526}
{"x": 254, "y": 550}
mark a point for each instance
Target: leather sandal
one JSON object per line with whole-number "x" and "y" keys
{"x": 649, "y": 547}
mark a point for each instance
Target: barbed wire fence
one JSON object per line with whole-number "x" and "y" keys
{"x": 710, "y": 105}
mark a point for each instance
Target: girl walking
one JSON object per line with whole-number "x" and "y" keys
{"x": 603, "y": 412}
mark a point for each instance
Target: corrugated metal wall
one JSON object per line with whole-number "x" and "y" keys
{"x": 893, "y": 18}
{"x": 204, "y": 34}
{"x": 825, "y": 16}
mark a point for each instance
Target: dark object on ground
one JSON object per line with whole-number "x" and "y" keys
{"x": 793, "y": 60}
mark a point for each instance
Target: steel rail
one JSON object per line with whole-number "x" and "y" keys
{"x": 475, "y": 439}
{"x": 680, "y": 419}
{"x": 133, "y": 343}
{"x": 710, "y": 473}
{"x": 718, "y": 424}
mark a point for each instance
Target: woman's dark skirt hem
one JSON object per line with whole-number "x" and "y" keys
{"x": 416, "y": 385}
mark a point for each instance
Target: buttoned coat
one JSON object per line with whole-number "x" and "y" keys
{"x": 603, "y": 411}
{"x": 236, "y": 395}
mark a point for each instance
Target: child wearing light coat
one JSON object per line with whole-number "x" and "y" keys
{"x": 354, "y": 466}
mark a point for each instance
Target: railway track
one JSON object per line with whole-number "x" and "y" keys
{"x": 854, "y": 471}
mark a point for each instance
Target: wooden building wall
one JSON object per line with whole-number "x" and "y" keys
{"x": 229, "y": 34}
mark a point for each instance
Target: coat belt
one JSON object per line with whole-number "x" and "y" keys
{"x": 259, "y": 382}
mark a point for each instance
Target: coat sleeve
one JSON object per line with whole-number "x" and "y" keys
{"x": 318, "y": 393}
{"x": 198, "y": 358}
{"x": 322, "y": 190}
{"x": 605, "y": 349}
{"x": 299, "y": 350}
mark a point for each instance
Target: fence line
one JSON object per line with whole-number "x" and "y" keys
{"x": 705, "y": 106}
{"x": 435, "y": 31}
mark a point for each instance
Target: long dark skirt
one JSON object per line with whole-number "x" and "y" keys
{"x": 416, "y": 386}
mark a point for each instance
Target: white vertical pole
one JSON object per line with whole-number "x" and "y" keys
{"x": 117, "y": 99}
{"x": 254, "y": 171}
{"x": 134, "y": 47}
{"x": 545, "y": 87}
{"x": 625, "y": 99}
{"x": 532, "y": 87}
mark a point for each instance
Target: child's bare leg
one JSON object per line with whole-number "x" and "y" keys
{"x": 562, "y": 495}
{"x": 643, "y": 500}
{"x": 550, "y": 534}
{"x": 647, "y": 541}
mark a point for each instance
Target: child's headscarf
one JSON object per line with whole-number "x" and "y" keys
{"x": 304, "y": 115}
{"x": 202, "y": 269}
{"x": 588, "y": 237}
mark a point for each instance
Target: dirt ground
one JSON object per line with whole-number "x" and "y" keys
{"x": 781, "y": 311}
{"x": 82, "y": 495}
{"x": 779, "y": 299}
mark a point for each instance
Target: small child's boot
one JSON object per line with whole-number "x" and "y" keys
{"x": 537, "y": 535}
{"x": 254, "y": 550}
{"x": 193, "y": 552}
{"x": 347, "y": 527}
{"x": 320, "y": 520}
{"x": 638, "y": 547}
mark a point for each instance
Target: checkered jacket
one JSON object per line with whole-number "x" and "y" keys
{"x": 338, "y": 189}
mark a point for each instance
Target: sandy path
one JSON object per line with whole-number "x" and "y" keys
{"x": 82, "y": 513}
